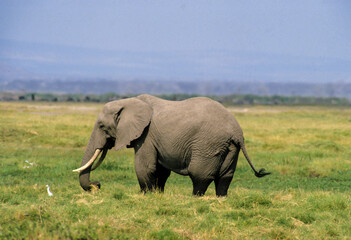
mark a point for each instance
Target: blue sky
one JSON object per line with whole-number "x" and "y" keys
{"x": 184, "y": 40}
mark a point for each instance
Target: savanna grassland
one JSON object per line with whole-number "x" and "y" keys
{"x": 308, "y": 195}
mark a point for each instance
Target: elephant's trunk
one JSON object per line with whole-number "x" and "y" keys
{"x": 90, "y": 155}
{"x": 85, "y": 182}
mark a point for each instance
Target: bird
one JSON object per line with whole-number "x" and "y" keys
{"x": 49, "y": 192}
{"x": 30, "y": 163}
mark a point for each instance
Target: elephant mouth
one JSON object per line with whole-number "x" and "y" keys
{"x": 110, "y": 143}
{"x": 92, "y": 160}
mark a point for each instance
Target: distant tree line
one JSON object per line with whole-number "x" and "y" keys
{"x": 228, "y": 100}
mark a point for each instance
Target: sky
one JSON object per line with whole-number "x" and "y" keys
{"x": 184, "y": 40}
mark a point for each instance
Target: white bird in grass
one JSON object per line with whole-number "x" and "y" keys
{"x": 49, "y": 192}
{"x": 30, "y": 163}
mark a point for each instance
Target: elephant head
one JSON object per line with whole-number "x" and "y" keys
{"x": 118, "y": 124}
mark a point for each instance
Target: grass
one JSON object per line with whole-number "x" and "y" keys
{"x": 308, "y": 195}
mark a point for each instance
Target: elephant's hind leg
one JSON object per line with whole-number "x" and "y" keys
{"x": 202, "y": 172}
{"x": 222, "y": 185}
{"x": 226, "y": 172}
{"x": 200, "y": 186}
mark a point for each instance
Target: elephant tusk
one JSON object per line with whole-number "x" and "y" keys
{"x": 91, "y": 161}
{"x": 103, "y": 155}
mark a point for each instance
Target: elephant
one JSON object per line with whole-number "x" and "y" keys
{"x": 196, "y": 137}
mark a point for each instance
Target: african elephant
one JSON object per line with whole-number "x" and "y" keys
{"x": 196, "y": 137}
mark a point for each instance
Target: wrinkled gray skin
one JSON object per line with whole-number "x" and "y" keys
{"x": 197, "y": 137}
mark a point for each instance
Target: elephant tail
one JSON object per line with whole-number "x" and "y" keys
{"x": 262, "y": 172}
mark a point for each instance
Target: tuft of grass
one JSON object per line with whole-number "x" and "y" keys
{"x": 165, "y": 234}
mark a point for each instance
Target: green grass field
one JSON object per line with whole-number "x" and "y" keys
{"x": 308, "y": 195}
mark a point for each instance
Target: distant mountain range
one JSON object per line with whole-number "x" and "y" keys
{"x": 101, "y": 86}
{"x": 34, "y": 67}
{"x": 25, "y": 60}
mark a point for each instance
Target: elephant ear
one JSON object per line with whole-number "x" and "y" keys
{"x": 131, "y": 119}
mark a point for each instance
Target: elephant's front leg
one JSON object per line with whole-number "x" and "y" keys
{"x": 162, "y": 175}
{"x": 146, "y": 167}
